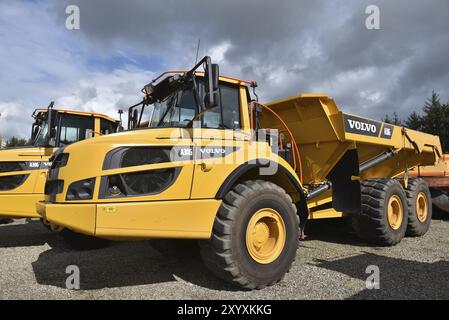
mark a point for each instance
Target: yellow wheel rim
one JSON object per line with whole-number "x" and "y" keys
{"x": 395, "y": 212}
{"x": 422, "y": 206}
{"x": 265, "y": 235}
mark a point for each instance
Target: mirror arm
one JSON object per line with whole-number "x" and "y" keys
{"x": 49, "y": 122}
{"x": 199, "y": 104}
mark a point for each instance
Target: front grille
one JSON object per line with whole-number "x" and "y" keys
{"x": 53, "y": 187}
{"x": 8, "y": 183}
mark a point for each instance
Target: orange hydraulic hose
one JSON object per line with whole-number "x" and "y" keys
{"x": 296, "y": 153}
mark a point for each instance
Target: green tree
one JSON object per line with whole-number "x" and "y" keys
{"x": 414, "y": 121}
{"x": 434, "y": 119}
{"x": 16, "y": 142}
{"x": 394, "y": 119}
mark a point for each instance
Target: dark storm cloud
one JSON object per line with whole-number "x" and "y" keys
{"x": 291, "y": 46}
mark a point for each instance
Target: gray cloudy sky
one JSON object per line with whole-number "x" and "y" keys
{"x": 287, "y": 46}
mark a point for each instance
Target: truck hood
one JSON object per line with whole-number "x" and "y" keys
{"x": 25, "y": 153}
{"x": 147, "y": 136}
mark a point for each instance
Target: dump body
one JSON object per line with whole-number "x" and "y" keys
{"x": 324, "y": 134}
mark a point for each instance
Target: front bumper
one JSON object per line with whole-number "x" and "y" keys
{"x": 19, "y": 205}
{"x": 78, "y": 217}
{"x": 176, "y": 219}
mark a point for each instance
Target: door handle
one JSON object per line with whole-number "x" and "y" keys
{"x": 206, "y": 167}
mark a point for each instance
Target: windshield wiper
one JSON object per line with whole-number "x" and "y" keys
{"x": 168, "y": 109}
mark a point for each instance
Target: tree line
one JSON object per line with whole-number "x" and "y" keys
{"x": 17, "y": 142}
{"x": 433, "y": 119}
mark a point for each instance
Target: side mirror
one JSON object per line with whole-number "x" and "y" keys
{"x": 211, "y": 81}
{"x": 34, "y": 132}
{"x": 52, "y": 133}
{"x": 135, "y": 117}
{"x": 52, "y": 115}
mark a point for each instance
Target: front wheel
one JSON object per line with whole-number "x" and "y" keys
{"x": 255, "y": 236}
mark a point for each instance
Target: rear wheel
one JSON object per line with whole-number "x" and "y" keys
{"x": 78, "y": 241}
{"x": 383, "y": 218}
{"x": 255, "y": 236}
{"x": 419, "y": 207}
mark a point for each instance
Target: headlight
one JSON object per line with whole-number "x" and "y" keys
{"x": 53, "y": 187}
{"x": 81, "y": 190}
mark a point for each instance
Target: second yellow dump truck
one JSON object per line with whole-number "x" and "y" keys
{"x": 437, "y": 178}
{"x": 213, "y": 165}
{"x": 23, "y": 170}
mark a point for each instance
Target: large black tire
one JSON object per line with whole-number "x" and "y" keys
{"x": 81, "y": 242}
{"x": 227, "y": 254}
{"x": 419, "y": 203}
{"x": 372, "y": 224}
{"x": 440, "y": 201}
{"x": 6, "y": 220}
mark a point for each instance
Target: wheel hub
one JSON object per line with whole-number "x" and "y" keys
{"x": 265, "y": 236}
{"x": 261, "y": 234}
{"x": 395, "y": 212}
{"x": 421, "y": 207}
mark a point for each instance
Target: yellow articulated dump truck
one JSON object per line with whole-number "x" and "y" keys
{"x": 211, "y": 164}
{"x": 23, "y": 170}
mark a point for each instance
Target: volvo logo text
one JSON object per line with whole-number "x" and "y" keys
{"x": 367, "y": 127}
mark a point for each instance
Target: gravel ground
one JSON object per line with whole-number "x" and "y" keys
{"x": 330, "y": 265}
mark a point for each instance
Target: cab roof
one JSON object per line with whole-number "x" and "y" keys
{"x": 79, "y": 113}
{"x": 201, "y": 74}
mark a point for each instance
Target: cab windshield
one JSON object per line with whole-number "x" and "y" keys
{"x": 179, "y": 110}
{"x": 42, "y": 131}
{"x": 39, "y": 134}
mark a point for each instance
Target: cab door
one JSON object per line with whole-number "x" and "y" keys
{"x": 219, "y": 141}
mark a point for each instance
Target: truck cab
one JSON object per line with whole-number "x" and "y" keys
{"x": 23, "y": 170}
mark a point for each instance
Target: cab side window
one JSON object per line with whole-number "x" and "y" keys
{"x": 230, "y": 104}
{"x": 227, "y": 115}
{"x": 107, "y": 127}
{"x": 75, "y": 128}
